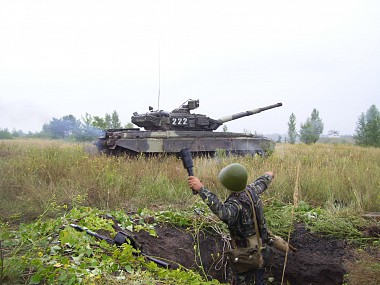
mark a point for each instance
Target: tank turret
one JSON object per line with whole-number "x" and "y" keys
{"x": 180, "y": 119}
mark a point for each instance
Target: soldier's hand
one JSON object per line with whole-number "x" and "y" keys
{"x": 271, "y": 173}
{"x": 195, "y": 183}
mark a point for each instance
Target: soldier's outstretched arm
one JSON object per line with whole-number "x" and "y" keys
{"x": 261, "y": 183}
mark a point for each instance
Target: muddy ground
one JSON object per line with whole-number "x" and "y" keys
{"x": 319, "y": 260}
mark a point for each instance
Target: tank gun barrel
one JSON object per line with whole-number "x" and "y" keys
{"x": 247, "y": 113}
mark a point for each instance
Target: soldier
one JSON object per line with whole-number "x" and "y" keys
{"x": 237, "y": 213}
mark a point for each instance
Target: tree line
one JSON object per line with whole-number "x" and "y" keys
{"x": 367, "y": 132}
{"x": 69, "y": 127}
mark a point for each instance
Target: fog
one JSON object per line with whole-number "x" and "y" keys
{"x": 75, "y": 57}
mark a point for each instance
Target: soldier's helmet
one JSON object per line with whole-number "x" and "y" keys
{"x": 234, "y": 177}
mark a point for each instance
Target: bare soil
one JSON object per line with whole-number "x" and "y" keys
{"x": 319, "y": 260}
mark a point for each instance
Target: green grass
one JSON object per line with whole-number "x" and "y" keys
{"x": 49, "y": 251}
{"x": 335, "y": 184}
{"x": 37, "y": 173}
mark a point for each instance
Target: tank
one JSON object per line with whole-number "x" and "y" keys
{"x": 168, "y": 132}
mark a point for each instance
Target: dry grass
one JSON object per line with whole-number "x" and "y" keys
{"x": 42, "y": 177}
{"x": 38, "y": 174}
{"x": 365, "y": 270}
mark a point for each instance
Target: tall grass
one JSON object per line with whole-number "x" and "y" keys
{"x": 39, "y": 175}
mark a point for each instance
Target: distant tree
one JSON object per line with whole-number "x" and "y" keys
{"x": 311, "y": 129}
{"x": 45, "y": 132}
{"x": 88, "y": 128}
{"x": 307, "y": 134}
{"x": 86, "y": 133}
{"x": 100, "y": 123}
{"x": 108, "y": 122}
{"x": 367, "y": 131}
{"x": 115, "y": 121}
{"x": 292, "y": 133}
{"x": 360, "y": 131}
{"x": 87, "y": 119}
{"x": 17, "y": 133}
{"x": 62, "y": 128}
{"x": 5, "y": 134}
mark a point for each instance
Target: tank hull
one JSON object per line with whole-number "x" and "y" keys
{"x": 132, "y": 142}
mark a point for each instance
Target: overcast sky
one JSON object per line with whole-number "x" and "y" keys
{"x": 76, "y": 57}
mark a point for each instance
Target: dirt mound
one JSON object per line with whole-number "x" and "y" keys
{"x": 319, "y": 260}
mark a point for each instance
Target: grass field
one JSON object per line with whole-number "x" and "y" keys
{"x": 44, "y": 179}
{"x": 37, "y": 173}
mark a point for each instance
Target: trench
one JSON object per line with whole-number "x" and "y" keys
{"x": 318, "y": 260}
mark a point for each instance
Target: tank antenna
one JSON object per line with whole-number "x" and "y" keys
{"x": 159, "y": 76}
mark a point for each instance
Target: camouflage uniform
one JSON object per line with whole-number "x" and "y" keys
{"x": 236, "y": 212}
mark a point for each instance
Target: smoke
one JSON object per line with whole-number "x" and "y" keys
{"x": 23, "y": 115}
